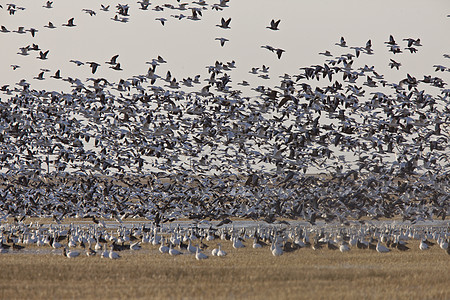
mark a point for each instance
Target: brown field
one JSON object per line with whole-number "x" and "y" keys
{"x": 243, "y": 274}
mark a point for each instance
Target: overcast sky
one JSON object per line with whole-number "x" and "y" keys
{"x": 306, "y": 28}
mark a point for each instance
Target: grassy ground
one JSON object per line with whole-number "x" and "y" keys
{"x": 245, "y": 273}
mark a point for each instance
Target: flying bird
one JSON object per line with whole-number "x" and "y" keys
{"x": 274, "y": 25}
{"x": 93, "y": 66}
{"x": 43, "y": 55}
{"x": 69, "y": 23}
{"x": 222, "y": 41}
{"x": 342, "y": 42}
{"x": 225, "y": 24}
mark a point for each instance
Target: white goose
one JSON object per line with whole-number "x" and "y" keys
{"x": 199, "y": 255}
{"x": 381, "y": 248}
{"x": 163, "y": 248}
{"x": 191, "y": 248}
{"x": 112, "y": 254}
{"x": 276, "y": 248}
{"x": 173, "y": 251}
{"x": 423, "y": 245}
{"x": 237, "y": 243}
{"x": 344, "y": 247}
{"x": 220, "y": 252}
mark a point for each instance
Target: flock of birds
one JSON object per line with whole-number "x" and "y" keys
{"x": 99, "y": 240}
{"x": 153, "y": 147}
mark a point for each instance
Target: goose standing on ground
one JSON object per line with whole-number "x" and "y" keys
{"x": 344, "y": 247}
{"x": 237, "y": 243}
{"x": 70, "y": 253}
{"x": 48, "y": 4}
{"x": 191, "y": 248}
{"x": 173, "y": 251}
{"x": 199, "y": 255}
{"x": 276, "y": 248}
{"x": 220, "y": 252}
{"x": 381, "y": 248}
{"x": 163, "y": 248}
{"x": 423, "y": 245}
{"x": 54, "y": 243}
{"x": 135, "y": 246}
{"x": 112, "y": 254}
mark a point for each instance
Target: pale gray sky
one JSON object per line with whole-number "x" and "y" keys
{"x": 306, "y": 28}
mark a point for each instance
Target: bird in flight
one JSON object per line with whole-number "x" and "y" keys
{"x": 69, "y": 23}
{"x": 225, "y": 24}
{"x": 274, "y": 25}
{"x": 222, "y": 40}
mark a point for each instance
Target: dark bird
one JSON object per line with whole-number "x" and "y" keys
{"x": 116, "y": 67}
{"x": 93, "y": 66}
{"x": 69, "y": 23}
{"x": 113, "y": 60}
{"x": 279, "y": 52}
{"x": 224, "y": 24}
{"x": 43, "y": 55}
{"x": 274, "y": 25}
{"x": 57, "y": 75}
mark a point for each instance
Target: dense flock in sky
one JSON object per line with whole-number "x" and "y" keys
{"x": 210, "y": 146}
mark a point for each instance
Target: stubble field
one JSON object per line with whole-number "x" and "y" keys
{"x": 243, "y": 274}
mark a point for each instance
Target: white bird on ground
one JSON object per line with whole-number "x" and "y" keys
{"x": 112, "y": 254}
{"x": 173, "y": 251}
{"x": 199, "y": 255}
{"x": 276, "y": 248}
{"x": 237, "y": 243}
{"x": 344, "y": 247}
{"x": 423, "y": 245}
{"x": 70, "y": 254}
{"x": 381, "y": 248}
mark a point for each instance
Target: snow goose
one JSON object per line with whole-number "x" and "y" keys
{"x": 50, "y": 25}
{"x": 274, "y": 25}
{"x": 162, "y": 20}
{"x": 113, "y": 255}
{"x": 344, "y": 247}
{"x": 43, "y": 55}
{"x": 21, "y": 30}
{"x": 70, "y": 254}
{"x": 199, "y": 255}
{"x": 191, "y": 248}
{"x": 135, "y": 246}
{"x": 173, "y": 251}
{"x": 225, "y": 24}
{"x": 222, "y": 41}
{"x": 237, "y": 243}
{"x": 443, "y": 244}
{"x": 381, "y": 248}
{"x": 90, "y": 252}
{"x": 220, "y": 252}
{"x": 276, "y": 248}
{"x": 163, "y": 248}
{"x": 54, "y": 243}
{"x": 423, "y": 245}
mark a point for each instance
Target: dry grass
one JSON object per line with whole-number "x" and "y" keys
{"x": 245, "y": 273}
